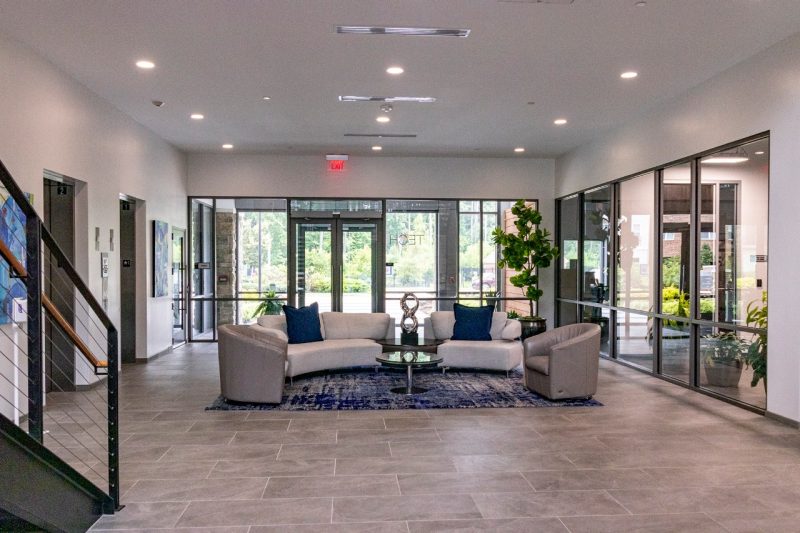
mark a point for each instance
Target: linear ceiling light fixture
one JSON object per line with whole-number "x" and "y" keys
{"x": 383, "y": 135}
{"x": 403, "y": 30}
{"x": 730, "y": 157}
{"x": 390, "y": 99}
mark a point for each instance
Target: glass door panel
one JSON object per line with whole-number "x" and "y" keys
{"x": 359, "y": 266}
{"x": 314, "y": 265}
{"x": 676, "y": 209}
{"x": 178, "y": 284}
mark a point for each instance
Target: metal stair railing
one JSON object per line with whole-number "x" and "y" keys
{"x": 59, "y": 363}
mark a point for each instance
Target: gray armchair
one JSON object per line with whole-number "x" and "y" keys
{"x": 562, "y": 363}
{"x": 252, "y": 364}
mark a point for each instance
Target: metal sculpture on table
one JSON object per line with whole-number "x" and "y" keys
{"x": 409, "y": 322}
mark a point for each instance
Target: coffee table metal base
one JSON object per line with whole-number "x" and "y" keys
{"x": 409, "y": 388}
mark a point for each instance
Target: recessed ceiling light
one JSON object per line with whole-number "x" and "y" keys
{"x": 377, "y": 148}
{"x": 628, "y": 75}
{"x": 197, "y": 116}
{"x": 145, "y": 64}
{"x": 519, "y": 149}
{"x": 413, "y": 99}
{"x": 400, "y": 30}
{"x": 395, "y": 70}
{"x": 227, "y": 146}
{"x": 383, "y": 119}
{"x": 641, "y": 3}
{"x": 759, "y": 153}
{"x": 266, "y": 98}
{"x": 560, "y": 121}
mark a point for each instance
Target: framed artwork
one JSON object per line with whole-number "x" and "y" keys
{"x": 161, "y": 244}
{"x": 12, "y": 233}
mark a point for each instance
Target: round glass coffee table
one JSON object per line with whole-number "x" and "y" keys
{"x": 409, "y": 360}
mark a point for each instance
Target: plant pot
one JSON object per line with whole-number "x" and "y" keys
{"x": 723, "y": 373}
{"x": 532, "y": 326}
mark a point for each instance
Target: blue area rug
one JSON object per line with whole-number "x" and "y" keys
{"x": 366, "y": 389}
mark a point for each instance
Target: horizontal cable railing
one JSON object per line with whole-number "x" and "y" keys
{"x": 58, "y": 351}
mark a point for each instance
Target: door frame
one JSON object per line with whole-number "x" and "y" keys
{"x": 337, "y": 223}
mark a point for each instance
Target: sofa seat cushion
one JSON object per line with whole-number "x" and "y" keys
{"x": 355, "y": 325}
{"x": 328, "y": 354}
{"x": 491, "y": 355}
{"x": 539, "y": 363}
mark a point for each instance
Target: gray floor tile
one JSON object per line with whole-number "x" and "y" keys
{"x": 257, "y": 513}
{"x": 323, "y": 451}
{"x": 192, "y": 452}
{"x": 462, "y": 483}
{"x": 508, "y": 525}
{"x": 331, "y": 486}
{"x": 239, "y": 425}
{"x": 327, "y": 436}
{"x": 546, "y": 480}
{"x": 371, "y": 527}
{"x": 386, "y": 435}
{"x": 390, "y": 508}
{"x": 150, "y": 490}
{"x": 393, "y": 465}
{"x": 564, "y": 503}
{"x": 512, "y": 463}
{"x": 666, "y": 523}
{"x": 267, "y": 467}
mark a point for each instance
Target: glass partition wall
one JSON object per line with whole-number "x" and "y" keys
{"x": 678, "y": 282}
{"x": 252, "y": 255}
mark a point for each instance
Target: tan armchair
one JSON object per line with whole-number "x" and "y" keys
{"x": 252, "y": 364}
{"x": 562, "y": 363}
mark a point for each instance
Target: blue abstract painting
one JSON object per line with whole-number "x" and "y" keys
{"x": 161, "y": 242}
{"x": 12, "y": 233}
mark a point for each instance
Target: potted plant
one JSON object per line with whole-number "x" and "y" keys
{"x": 723, "y": 355}
{"x": 756, "y": 356}
{"x": 271, "y": 305}
{"x": 526, "y": 251}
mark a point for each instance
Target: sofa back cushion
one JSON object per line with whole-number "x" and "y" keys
{"x": 443, "y": 322}
{"x": 355, "y": 325}
{"x": 302, "y": 324}
{"x": 472, "y": 323}
{"x": 272, "y": 322}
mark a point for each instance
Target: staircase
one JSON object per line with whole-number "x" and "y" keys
{"x": 59, "y": 445}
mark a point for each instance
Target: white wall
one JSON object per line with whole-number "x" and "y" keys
{"x": 760, "y": 94}
{"x": 381, "y": 177}
{"x": 49, "y": 121}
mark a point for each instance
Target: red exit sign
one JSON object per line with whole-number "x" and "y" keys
{"x": 336, "y": 165}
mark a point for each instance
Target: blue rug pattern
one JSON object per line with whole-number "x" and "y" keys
{"x": 366, "y": 389}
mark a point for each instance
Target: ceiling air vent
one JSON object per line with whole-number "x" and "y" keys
{"x": 403, "y": 30}
{"x": 383, "y": 135}
{"x": 414, "y": 99}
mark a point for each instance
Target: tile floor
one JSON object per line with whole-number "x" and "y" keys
{"x": 656, "y": 457}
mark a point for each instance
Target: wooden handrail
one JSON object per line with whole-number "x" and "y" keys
{"x": 65, "y": 326}
{"x": 70, "y": 332}
{"x": 12, "y": 260}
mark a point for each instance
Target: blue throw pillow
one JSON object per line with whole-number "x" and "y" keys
{"x": 472, "y": 323}
{"x": 302, "y": 325}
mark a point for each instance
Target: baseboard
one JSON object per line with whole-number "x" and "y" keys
{"x": 782, "y": 419}
{"x": 165, "y": 351}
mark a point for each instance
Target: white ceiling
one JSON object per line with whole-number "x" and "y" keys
{"x": 220, "y": 58}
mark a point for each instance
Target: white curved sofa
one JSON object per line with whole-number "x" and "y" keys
{"x": 349, "y": 340}
{"x": 503, "y": 352}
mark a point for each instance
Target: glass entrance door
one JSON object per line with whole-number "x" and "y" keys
{"x": 336, "y": 264}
